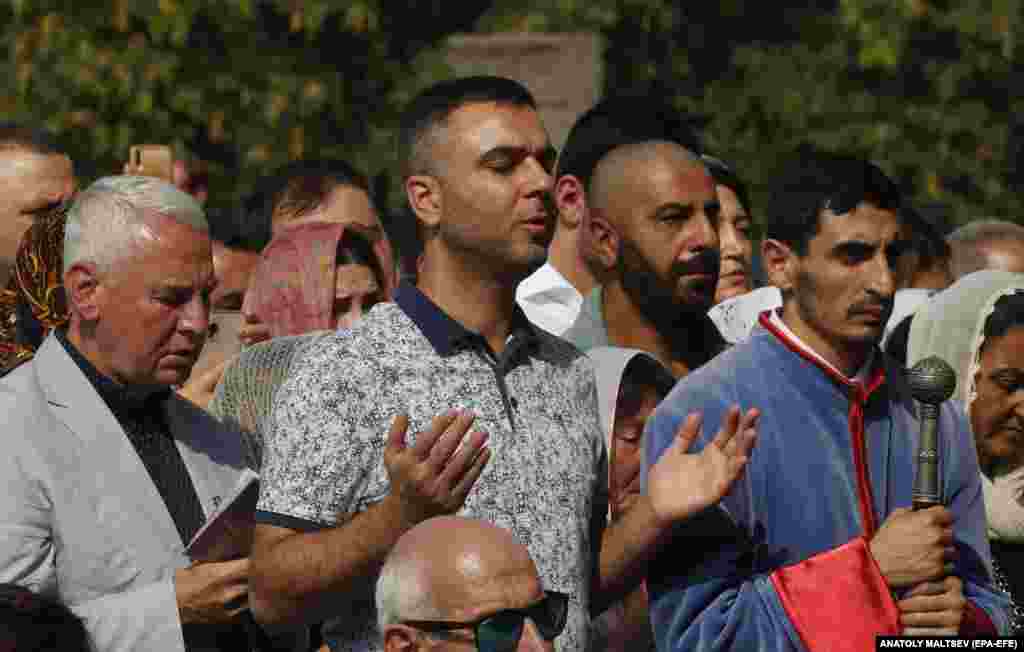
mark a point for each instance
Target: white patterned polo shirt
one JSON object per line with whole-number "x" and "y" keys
{"x": 545, "y": 482}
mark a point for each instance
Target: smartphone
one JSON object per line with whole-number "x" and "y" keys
{"x": 152, "y": 161}
{"x": 222, "y": 341}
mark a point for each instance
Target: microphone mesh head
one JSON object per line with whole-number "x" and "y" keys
{"x": 932, "y": 380}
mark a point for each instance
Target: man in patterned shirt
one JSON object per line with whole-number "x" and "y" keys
{"x": 336, "y": 493}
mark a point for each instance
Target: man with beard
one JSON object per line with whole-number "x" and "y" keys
{"x": 821, "y": 519}
{"x": 654, "y": 219}
{"x": 337, "y": 493}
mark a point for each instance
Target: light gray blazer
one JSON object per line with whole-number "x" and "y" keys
{"x": 80, "y": 518}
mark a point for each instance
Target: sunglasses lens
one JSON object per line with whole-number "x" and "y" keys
{"x": 500, "y": 633}
{"x": 551, "y": 615}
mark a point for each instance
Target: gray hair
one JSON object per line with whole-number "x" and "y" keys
{"x": 401, "y": 593}
{"x": 968, "y": 243}
{"x": 107, "y": 222}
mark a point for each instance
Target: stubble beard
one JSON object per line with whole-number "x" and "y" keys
{"x": 497, "y": 256}
{"x": 808, "y": 307}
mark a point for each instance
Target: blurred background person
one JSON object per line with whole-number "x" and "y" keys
{"x": 977, "y": 326}
{"x": 630, "y": 384}
{"x": 312, "y": 278}
{"x": 986, "y": 244}
{"x": 36, "y": 175}
{"x": 735, "y": 231}
{"x": 34, "y": 302}
{"x": 328, "y": 190}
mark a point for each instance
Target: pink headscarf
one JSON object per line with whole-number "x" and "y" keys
{"x": 292, "y": 287}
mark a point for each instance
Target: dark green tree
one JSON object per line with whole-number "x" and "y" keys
{"x": 246, "y": 85}
{"x": 926, "y": 88}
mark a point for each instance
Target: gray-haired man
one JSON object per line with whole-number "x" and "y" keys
{"x": 108, "y": 474}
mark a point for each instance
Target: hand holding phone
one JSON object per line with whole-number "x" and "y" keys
{"x": 151, "y": 161}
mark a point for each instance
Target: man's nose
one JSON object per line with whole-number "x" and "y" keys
{"x": 195, "y": 317}
{"x": 541, "y": 180}
{"x": 883, "y": 278}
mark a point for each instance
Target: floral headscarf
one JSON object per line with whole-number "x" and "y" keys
{"x": 34, "y": 302}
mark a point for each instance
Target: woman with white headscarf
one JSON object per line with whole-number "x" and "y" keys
{"x": 977, "y": 326}
{"x": 630, "y": 384}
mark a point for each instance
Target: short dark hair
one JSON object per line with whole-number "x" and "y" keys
{"x": 14, "y": 135}
{"x": 30, "y": 621}
{"x": 431, "y": 108}
{"x": 814, "y": 181}
{"x": 234, "y": 230}
{"x": 928, "y": 240}
{"x": 725, "y": 175}
{"x": 621, "y": 120}
{"x": 355, "y": 248}
{"x": 291, "y": 182}
{"x": 1007, "y": 314}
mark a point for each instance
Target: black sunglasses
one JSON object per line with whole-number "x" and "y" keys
{"x": 501, "y": 631}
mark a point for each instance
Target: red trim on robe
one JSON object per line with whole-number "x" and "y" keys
{"x": 817, "y": 595}
{"x": 976, "y": 622}
{"x": 858, "y": 395}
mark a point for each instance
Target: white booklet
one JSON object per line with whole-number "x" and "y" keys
{"x": 227, "y": 534}
{"x": 736, "y": 317}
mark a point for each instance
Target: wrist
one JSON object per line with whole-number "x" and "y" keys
{"x": 645, "y": 506}
{"x": 400, "y": 514}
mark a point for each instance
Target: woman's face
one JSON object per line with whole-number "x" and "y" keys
{"x": 997, "y": 413}
{"x": 631, "y": 415}
{"x": 355, "y": 291}
{"x": 737, "y": 249}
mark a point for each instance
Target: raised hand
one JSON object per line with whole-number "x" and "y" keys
{"x": 434, "y": 475}
{"x": 681, "y": 484}
{"x": 913, "y": 547}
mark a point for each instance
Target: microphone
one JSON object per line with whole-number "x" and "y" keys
{"x": 932, "y": 382}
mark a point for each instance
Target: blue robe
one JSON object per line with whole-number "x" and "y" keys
{"x": 782, "y": 563}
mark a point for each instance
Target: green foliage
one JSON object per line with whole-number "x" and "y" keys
{"x": 926, "y": 88}
{"x": 247, "y": 85}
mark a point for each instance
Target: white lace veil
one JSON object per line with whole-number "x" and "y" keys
{"x": 952, "y": 325}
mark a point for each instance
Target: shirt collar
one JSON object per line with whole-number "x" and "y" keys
{"x": 547, "y": 281}
{"x": 119, "y": 398}
{"x": 447, "y": 335}
{"x": 862, "y": 374}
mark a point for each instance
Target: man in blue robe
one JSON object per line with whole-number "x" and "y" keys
{"x": 815, "y": 548}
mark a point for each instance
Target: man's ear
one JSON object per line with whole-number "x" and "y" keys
{"x": 400, "y": 638}
{"x": 426, "y": 200}
{"x": 779, "y": 262}
{"x": 83, "y": 291}
{"x": 601, "y": 240}
{"x": 570, "y": 198}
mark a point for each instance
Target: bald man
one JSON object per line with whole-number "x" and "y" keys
{"x": 452, "y": 581}
{"x": 987, "y": 244}
{"x": 654, "y": 219}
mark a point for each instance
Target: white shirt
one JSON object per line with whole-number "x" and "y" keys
{"x": 549, "y": 300}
